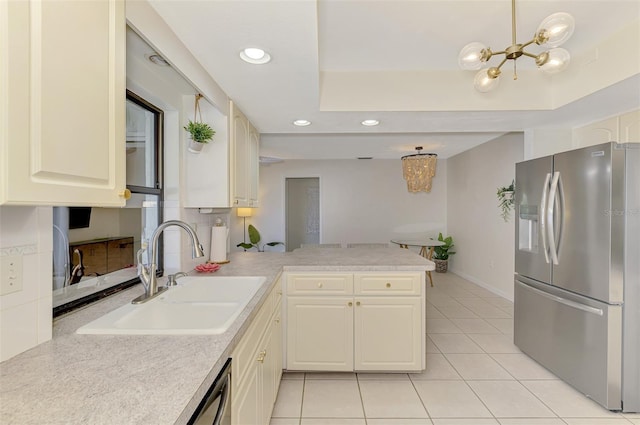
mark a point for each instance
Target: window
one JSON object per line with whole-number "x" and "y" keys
{"x": 100, "y": 257}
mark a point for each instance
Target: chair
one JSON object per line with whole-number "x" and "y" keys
{"x": 368, "y": 245}
{"x": 320, "y": 245}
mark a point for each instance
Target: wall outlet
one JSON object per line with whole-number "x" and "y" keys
{"x": 10, "y": 274}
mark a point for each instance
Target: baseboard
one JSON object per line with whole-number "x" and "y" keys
{"x": 482, "y": 284}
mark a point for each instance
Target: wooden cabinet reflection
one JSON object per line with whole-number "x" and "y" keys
{"x": 105, "y": 255}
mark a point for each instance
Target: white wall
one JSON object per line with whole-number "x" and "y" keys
{"x": 360, "y": 201}
{"x": 484, "y": 243}
{"x": 25, "y": 316}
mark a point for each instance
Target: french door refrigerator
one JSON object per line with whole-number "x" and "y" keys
{"x": 577, "y": 269}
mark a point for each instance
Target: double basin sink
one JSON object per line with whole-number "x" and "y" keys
{"x": 196, "y": 306}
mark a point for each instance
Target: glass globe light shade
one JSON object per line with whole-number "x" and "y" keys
{"x": 470, "y": 56}
{"x": 558, "y": 61}
{"x": 484, "y": 83}
{"x": 558, "y": 28}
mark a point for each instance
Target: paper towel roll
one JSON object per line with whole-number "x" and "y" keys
{"x": 219, "y": 244}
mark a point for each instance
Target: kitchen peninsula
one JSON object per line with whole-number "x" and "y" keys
{"x": 105, "y": 379}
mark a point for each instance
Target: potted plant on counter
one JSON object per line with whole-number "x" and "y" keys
{"x": 441, "y": 253}
{"x": 200, "y": 132}
{"x": 505, "y": 199}
{"x": 254, "y": 238}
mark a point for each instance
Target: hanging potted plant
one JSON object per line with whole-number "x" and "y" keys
{"x": 200, "y": 132}
{"x": 441, "y": 253}
{"x": 505, "y": 199}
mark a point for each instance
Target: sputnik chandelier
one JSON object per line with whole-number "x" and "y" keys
{"x": 418, "y": 170}
{"x": 554, "y": 30}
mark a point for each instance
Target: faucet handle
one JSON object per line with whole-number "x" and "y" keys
{"x": 172, "y": 279}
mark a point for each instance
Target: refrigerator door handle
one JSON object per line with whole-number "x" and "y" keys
{"x": 550, "y": 224}
{"x": 543, "y": 220}
{"x": 564, "y": 301}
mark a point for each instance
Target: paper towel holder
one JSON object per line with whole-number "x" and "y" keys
{"x": 217, "y": 228}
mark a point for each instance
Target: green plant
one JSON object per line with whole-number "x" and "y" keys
{"x": 442, "y": 252}
{"x": 254, "y": 237}
{"x": 200, "y": 131}
{"x": 505, "y": 198}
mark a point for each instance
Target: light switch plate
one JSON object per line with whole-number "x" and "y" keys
{"x": 10, "y": 274}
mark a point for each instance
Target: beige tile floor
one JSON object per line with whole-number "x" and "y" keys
{"x": 474, "y": 376}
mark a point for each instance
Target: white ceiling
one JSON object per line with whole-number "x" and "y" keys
{"x": 401, "y": 59}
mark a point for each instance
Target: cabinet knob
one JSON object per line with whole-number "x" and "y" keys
{"x": 319, "y": 284}
{"x": 388, "y": 285}
{"x": 350, "y": 304}
{"x": 277, "y": 320}
{"x": 126, "y": 194}
{"x": 357, "y": 303}
{"x": 261, "y": 356}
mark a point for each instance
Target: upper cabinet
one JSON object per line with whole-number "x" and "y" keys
{"x": 244, "y": 141}
{"x": 207, "y": 173}
{"x": 623, "y": 128}
{"x": 62, "y": 78}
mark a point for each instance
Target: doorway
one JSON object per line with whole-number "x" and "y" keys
{"x": 302, "y": 211}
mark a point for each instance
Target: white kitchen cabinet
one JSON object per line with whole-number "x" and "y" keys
{"x": 245, "y": 141}
{"x": 253, "y": 166}
{"x": 257, "y": 365}
{"x": 320, "y": 333}
{"x": 62, "y": 77}
{"x": 372, "y": 321}
{"x": 387, "y": 333}
{"x": 623, "y": 129}
{"x": 630, "y": 127}
{"x": 206, "y": 174}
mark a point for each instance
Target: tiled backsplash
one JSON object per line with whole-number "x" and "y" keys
{"x": 25, "y": 315}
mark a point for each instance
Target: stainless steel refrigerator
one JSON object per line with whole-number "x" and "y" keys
{"x": 577, "y": 264}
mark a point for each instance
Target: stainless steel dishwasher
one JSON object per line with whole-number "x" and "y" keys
{"x": 215, "y": 407}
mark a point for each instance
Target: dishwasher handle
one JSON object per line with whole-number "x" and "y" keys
{"x": 224, "y": 401}
{"x": 218, "y": 392}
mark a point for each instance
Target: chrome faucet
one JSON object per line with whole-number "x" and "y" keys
{"x": 78, "y": 270}
{"x": 147, "y": 274}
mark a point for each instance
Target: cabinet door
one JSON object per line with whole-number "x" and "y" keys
{"x": 388, "y": 333}
{"x": 246, "y": 402}
{"x": 630, "y": 127}
{"x": 269, "y": 372}
{"x": 253, "y": 166}
{"x": 597, "y": 133}
{"x": 320, "y": 333}
{"x": 240, "y": 149}
{"x": 63, "y": 139}
{"x": 276, "y": 357}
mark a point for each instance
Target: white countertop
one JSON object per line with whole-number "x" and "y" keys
{"x": 144, "y": 379}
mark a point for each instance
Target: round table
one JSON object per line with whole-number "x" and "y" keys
{"x": 426, "y": 248}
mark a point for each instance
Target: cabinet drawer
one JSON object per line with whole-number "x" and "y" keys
{"x": 320, "y": 284}
{"x": 388, "y": 284}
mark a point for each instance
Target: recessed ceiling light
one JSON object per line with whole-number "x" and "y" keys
{"x": 157, "y": 60}
{"x": 302, "y": 123}
{"x": 370, "y": 123}
{"x": 255, "y": 56}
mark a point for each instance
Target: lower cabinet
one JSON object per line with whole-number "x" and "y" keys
{"x": 320, "y": 333}
{"x": 257, "y": 366}
{"x": 361, "y": 321}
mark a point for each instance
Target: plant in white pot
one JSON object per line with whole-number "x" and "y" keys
{"x": 441, "y": 253}
{"x": 200, "y": 132}
{"x": 506, "y": 202}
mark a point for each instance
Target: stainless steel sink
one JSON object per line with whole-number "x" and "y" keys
{"x": 197, "y": 306}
